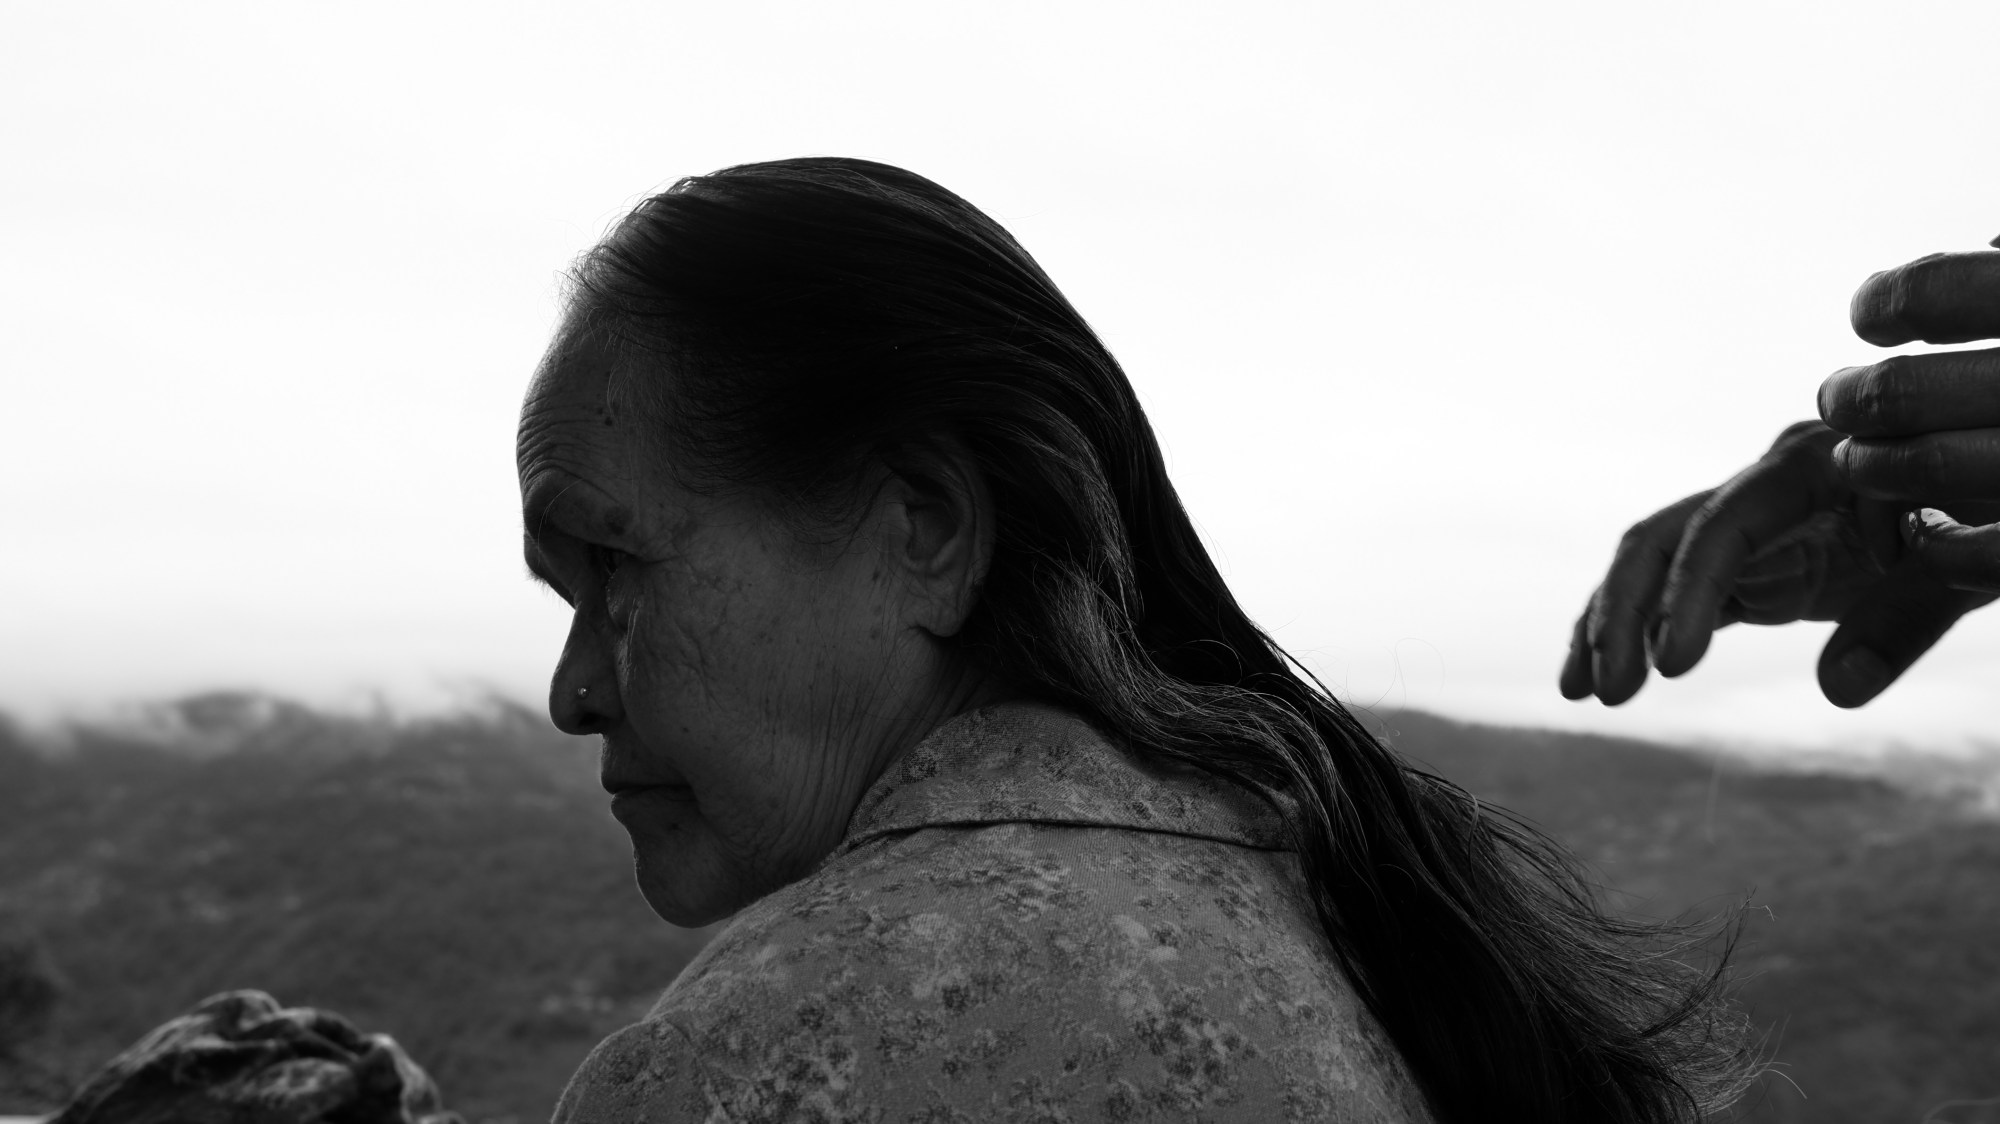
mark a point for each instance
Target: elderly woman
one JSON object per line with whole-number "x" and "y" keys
{"x": 905, "y": 655}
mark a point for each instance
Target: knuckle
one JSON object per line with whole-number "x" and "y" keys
{"x": 1649, "y": 535}
{"x": 1931, "y": 300}
{"x": 1698, "y": 523}
{"x": 1803, "y": 453}
{"x": 1894, "y": 306}
{"x": 1926, "y": 274}
{"x": 1876, "y": 396}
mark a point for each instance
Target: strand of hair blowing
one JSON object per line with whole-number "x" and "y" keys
{"x": 814, "y": 316}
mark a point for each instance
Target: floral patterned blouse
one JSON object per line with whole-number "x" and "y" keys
{"x": 1025, "y": 922}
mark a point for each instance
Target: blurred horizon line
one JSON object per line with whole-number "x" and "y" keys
{"x": 227, "y": 714}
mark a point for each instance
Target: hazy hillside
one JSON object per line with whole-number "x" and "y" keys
{"x": 459, "y": 885}
{"x": 456, "y": 884}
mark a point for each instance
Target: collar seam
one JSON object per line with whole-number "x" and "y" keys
{"x": 882, "y": 831}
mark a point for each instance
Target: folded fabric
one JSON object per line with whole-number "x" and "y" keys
{"x": 240, "y": 1058}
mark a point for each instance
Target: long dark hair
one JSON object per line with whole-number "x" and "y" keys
{"x": 819, "y": 315}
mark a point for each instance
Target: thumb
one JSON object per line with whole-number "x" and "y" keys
{"x": 1892, "y": 624}
{"x": 1958, "y": 556}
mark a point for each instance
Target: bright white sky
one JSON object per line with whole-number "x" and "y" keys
{"x": 1428, "y": 301}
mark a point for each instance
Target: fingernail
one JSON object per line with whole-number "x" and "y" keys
{"x": 1924, "y": 523}
{"x": 1855, "y": 678}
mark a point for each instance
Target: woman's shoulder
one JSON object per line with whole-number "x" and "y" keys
{"x": 1013, "y": 968}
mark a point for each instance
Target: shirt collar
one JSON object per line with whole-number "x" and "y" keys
{"x": 1024, "y": 762}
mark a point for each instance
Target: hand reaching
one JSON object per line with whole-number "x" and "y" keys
{"x": 1832, "y": 523}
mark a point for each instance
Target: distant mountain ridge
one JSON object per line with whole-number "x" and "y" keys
{"x": 458, "y": 883}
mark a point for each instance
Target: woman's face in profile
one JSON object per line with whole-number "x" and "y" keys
{"x": 736, "y": 674}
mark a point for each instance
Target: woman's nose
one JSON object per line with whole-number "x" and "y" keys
{"x": 583, "y": 692}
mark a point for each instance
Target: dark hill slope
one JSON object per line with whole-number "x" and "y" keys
{"x": 459, "y": 885}
{"x": 1872, "y": 956}
{"x": 456, "y": 884}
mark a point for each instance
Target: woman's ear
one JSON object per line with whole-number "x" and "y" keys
{"x": 943, "y": 540}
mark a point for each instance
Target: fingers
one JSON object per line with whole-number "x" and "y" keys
{"x": 1608, "y": 646}
{"x": 1813, "y": 571}
{"x": 1627, "y": 604}
{"x": 1955, "y": 555}
{"x": 1905, "y": 395}
{"x": 1928, "y": 468}
{"x": 1887, "y": 630}
{"x": 1757, "y": 507}
{"x": 1879, "y": 524}
{"x": 1942, "y": 298}
{"x": 1576, "y": 681}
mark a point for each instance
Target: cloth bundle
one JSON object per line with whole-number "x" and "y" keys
{"x": 240, "y": 1058}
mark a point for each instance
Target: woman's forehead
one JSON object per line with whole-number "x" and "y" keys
{"x": 578, "y": 370}
{"x": 577, "y": 441}
{"x": 589, "y": 392}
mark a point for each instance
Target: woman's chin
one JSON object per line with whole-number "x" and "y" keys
{"x": 677, "y": 890}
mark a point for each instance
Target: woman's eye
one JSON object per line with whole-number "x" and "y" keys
{"x": 609, "y": 560}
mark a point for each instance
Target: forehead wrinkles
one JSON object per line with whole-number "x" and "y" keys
{"x": 592, "y": 392}
{"x": 570, "y": 475}
{"x": 593, "y": 456}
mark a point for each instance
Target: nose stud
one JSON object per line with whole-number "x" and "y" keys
{"x": 583, "y": 692}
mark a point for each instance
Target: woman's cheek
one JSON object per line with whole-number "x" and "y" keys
{"x": 633, "y": 625}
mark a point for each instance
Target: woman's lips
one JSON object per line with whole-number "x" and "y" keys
{"x": 632, "y": 800}
{"x": 615, "y": 782}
